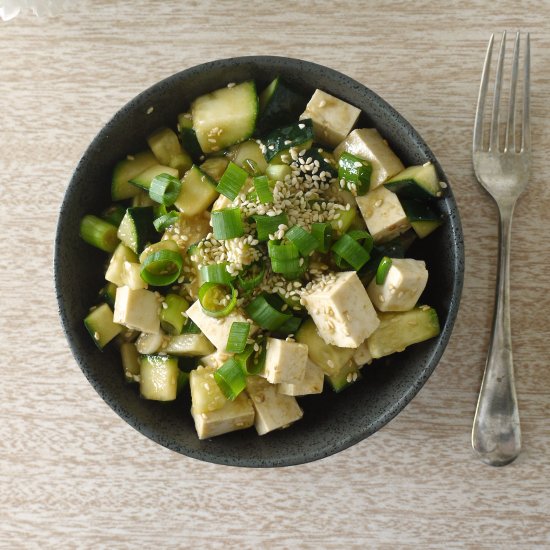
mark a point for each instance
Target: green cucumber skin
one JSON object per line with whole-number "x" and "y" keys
{"x": 283, "y": 107}
{"x": 293, "y": 133}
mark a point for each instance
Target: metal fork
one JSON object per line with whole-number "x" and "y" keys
{"x": 503, "y": 172}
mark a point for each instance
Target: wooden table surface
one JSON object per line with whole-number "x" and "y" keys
{"x": 73, "y": 474}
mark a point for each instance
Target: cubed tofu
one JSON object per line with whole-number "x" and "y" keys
{"x": 332, "y": 118}
{"x": 217, "y": 329}
{"x": 234, "y": 415}
{"x": 137, "y": 309}
{"x": 362, "y": 355}
{"x": 215, "y": 359}
{"x": 285, "y": 361}
{"x": 404, "y": 283}
{"x": 342, "y": 311}
{"x": 273, "y": 409}
{"x": 311, "y": 383}
{"x": 368, "y": 144}
{"x": 383, "y": 214}
{"x": 222, "y": 202}
{"x": 206, "y": 395}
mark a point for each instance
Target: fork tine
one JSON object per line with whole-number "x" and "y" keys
{"x": 478, "y": 124}
{"x": 526, "y": 123}
{"x": 510, "y": 141}
{"x": 493, "y": 141}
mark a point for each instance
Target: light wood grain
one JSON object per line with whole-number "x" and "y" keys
{"x": 72, "y": 474}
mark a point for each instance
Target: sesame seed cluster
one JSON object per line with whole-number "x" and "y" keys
{"x": 307, "y": 195}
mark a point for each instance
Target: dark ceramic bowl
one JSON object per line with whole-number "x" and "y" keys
{"x": 332, "y": 422}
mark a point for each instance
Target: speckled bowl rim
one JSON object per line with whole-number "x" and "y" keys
{"x": 320, "y": 451}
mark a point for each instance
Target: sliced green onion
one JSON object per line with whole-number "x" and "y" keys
{"x": 252, "y": 361}
{"x": 190, "y": 328}
{"x": 166, "y": 220}
{"x": 251, "y": 166}
{"x": 267, "y": 225}
{"x": 264, "y": 314}
{"x": 114, "y": 214}
{"x": 230, "y": 378}
{"x": 252, "y": 276}
{"x": 322, "y": 231}
{"x": 364, "y": 238}
{"x": 382, "y": 271}
{"x": 165, "y": 189}
{"x": 305, "y": 242}
{"x": 355, "y": 172}
{"x": 227, "y": 223}
{"x": 172, "y": 316}
{"x": 348, "y": 251}
{"x": 217, "y": 300}
{"x": 161, "y": 267}
{"x": 238, "y": 335}
{"x": 99, "y": 233}
{"x": 282, "y": 251}
{"x": 232, "y": 181}
{"x": 215, "y": 273}
{"x": 261, "y": 184}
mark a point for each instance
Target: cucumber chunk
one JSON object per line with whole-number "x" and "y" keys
{"x": 416, "y": 182}
{"x": 279, "y": 142}
{"x": 423, "y": 218}
{"x": 206, "y": 395}
{"x": 158, "y": 377}
{"x": 136, "y": 228}
{"x": 130, "y": 361}
{"x": 167, "y": 149}
{"x": 125, "y": 170}
{"x": 399, "y": 330}
{"x": 99, "y": 323}
{"x": 188, "y": 136}
{"x": 247, "y": 150}
{"x": 279, "y": 105}
{"x": 198, "y": 192}
{"x": 346, "y": 376}
{"x": 215, "y": 167}
{"x": 330, "y": 358}
{"x": 189, "y": 345}
{"x": 143, "y": 180}
{"x": 226, "y": 116}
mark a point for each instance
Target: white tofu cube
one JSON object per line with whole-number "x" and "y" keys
{"x": 234, "y": 415}
{"x": 362, "y": 355}
{"x": 368, "y": 144}
{"x": 216, "y": 329}
{"x": 311, "y": 383}
{"x": 215, "y": 359}
{"x": 137, "y": 309}
{"x": 404, "y": 283}
{"x": 383, "y": 214}
{"x": 332, "y": 118}
{"x": 222, "y": 202}
{"x": 285, "y": 361}
{"x": 342, "y": 311}
{"x": 273, "y": 409}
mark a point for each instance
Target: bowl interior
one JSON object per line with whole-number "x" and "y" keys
{"x": 331, "y": 422}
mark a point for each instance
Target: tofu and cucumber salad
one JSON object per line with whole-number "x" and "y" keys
{"x": 258, "y": 253}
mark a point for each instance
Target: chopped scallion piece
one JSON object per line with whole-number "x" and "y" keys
{"x": 166, "y": 220}
{"x": 305, "y": 242}
{"x": 252, "y": 276}
{"x": 162, "y": 267}
{"x": 285, "y": 259}
{"x": 232, "y": 181}
{"x": 251, "y": 166}
{"x": 322, "y": 231}
{"x": 183, "y": 380}
{"x": 215, "y": 273}
{"x": 165, "y": 189}
{"x": 290, "y": 326}
{"x": 264, "y": 314}
{"x": 252, "y": 359}
{"x": 349, "y": 252}
{"x": 114, "y": 214}
{"x": 99, "y": 233}
{"x": 267, "y": 225}
{"x": 282, "y": 251}
{"x": 261, "y": 184}
{"x": 238, "y": 335}
{"x": 230, "y": 378}
{"x": 364, "y": 238}
{"x": 217, "y": 300}
{"x": 355, "y": 172}
{"x": 382, "y": 271}
{"x": 190, "y": 328}
{"x": 227, "y": 223}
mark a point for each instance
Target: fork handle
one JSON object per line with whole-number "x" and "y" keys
{"x": 496, "y": 434}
